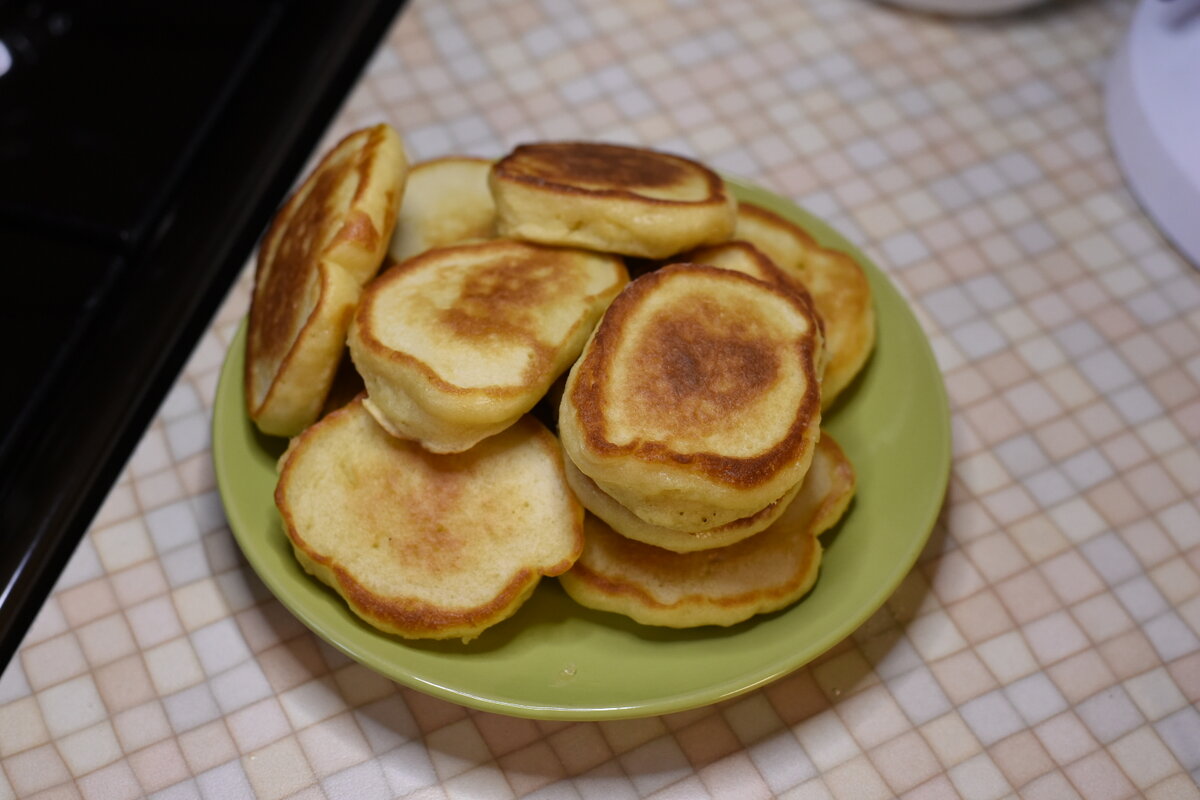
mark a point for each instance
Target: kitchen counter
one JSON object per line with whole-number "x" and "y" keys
{"x": 1046, "y": 644}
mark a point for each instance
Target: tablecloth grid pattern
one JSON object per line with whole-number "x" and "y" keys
{"x": 1047, "y": 645}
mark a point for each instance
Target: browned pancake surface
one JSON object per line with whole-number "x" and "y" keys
{"x": 695, "y": 372}
{"x": 577, "y": 167}
{"x": 322, "y": 246}
{"x": 458, "y": 342}
{"x": 840, "y": 290}
{"x": 303, "y": 233}
{"x": 426, "y": 545}
{"x": 610, "y": 198}
{"x": 744, "y": 257}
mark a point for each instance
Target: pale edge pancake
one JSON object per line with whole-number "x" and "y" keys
{"x": 631, "y": 526}
{"x": 422, "y": 545}
{"x": 763, "y": 573}
{"x": 447, "y": 201}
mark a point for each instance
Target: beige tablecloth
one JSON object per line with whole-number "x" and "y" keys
{"x": 1047, "y": 644}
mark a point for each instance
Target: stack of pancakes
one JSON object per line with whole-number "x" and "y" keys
{"x": 691, "y": 424}
{"x": 688, "y": 402}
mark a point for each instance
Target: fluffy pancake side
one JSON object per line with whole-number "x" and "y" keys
{"x": 423, "y": 545}
{"x": 630, "y": 525}
{"x": 457, "y": 343}
{"x": 839, "y": 288}
{"x": 327, "y": 240}
{"x": 447, "y": 201}
{"x": 610, "y": 198}
{"x": 696, "y": 402}
{"x": 724, "y": 586}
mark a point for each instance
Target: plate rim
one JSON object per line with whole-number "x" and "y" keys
{"x": 719, "y": 690}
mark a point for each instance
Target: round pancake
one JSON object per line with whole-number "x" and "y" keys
{"x": 838, "y": 285}
{"x": 610, "y": 198}
{"x": 631, "y": 526}
{"x": 744, "y": 257}
{"x": 696, "y": 402}
{"x": 456, "y": 344}
{"x": 423, "y": 545}
{"x": 763, "y": 573}
{"x": 446, "y": 201}
{"x": 323, "y": 245}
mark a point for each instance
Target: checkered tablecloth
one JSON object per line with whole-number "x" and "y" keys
{"x": 1046, "y": 645}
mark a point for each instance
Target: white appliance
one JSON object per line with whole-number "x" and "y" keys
{"x": 1152, "y": 106}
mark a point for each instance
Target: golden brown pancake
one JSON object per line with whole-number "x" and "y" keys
{"x": 744, "y": 257}
{"x": 838, "y": 285}
{"x": 610, "y": 198}
{"x": 739, "y": 256}
{"x": 423, "y": 545}
{"x": 456, "y": 344}
{"x": 447, "y": 201}
{"x": 631, "y": 526}
{"x": 324, "y": 244}
{"x": 763, "y": 573}
{"x": 696, "y": 402}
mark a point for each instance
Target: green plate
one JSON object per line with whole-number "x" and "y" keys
{"x": 557, "y": 660}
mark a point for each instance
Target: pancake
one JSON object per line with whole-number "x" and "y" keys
{"x": 838, "y": 285}
{"x": 422, "y": 545}
{"x": 610, "y": 198}
{"x": 629, "y": 525}
{"x": 744, "y": 257}
{"x": 696, "y": 402}
{"x": 454, "y": 345}
{"x": 447, "y": 201}
{"x": 724, "y": 586}
{"x": 323, "y": 245}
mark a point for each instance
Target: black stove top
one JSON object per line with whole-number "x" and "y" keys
{"x": 143, "y": 147}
